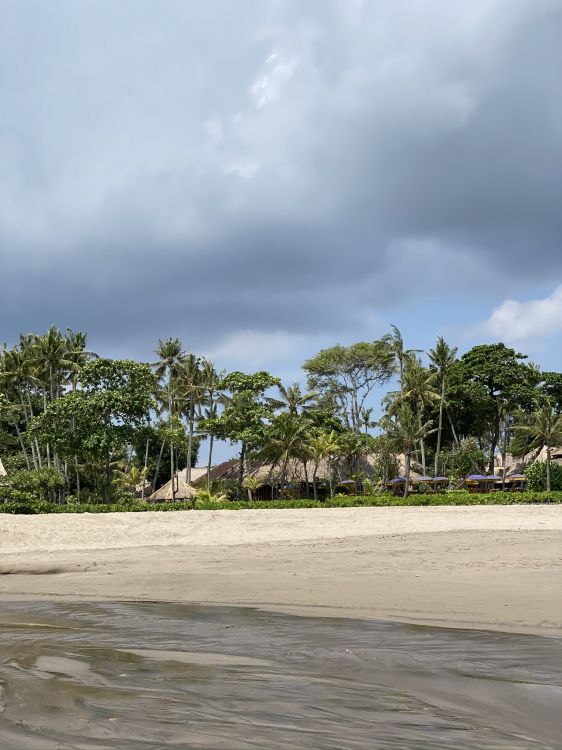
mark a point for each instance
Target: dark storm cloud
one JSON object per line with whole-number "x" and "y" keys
{"x": 203, "y": 170}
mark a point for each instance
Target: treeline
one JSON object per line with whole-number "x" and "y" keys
{"x": 77, "y": 425}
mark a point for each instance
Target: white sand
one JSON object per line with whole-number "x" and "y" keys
{"x": 496, "y": 567}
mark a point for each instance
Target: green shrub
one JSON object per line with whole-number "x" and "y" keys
{"x": 32, "y": 485}
{"x": 30, "y": 506}
{"x": 536, "y": 476}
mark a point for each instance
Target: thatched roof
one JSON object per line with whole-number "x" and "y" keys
{"x": 184, "y": 491}
{"x": 269, "y": 473}
{"x": 196, "y": 473}
{"x": 226, "y": 470}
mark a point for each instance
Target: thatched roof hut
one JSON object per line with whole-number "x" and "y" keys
{"x": 267, "y": 473}
{"x": 183, "y": 491}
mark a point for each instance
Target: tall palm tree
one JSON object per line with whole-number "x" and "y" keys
{"x": 404, "y": 431}
{"x": 442, "y": 359}
{"x": 288, "y": 433}
{"x": 395, "y": 344}
{"x": 190, "y": 393}
{"x": 419, "y": 391}
{"x": 292, "y": 398}
{"x": 211, "y": 398}
{"x": 544, "y": 428}
{"x": 170, "y": 366}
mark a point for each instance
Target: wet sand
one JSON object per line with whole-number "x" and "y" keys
{"x": 95, "y": 676}
{"x": 494, "y": 568}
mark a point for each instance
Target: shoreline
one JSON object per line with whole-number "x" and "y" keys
{"x": 479, "y": 567}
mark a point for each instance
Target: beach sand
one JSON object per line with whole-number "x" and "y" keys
{"x": 484, "y": 567}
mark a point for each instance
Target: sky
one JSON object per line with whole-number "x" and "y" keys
{"x": 265, "y": 178}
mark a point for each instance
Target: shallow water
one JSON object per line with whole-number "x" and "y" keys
{"x": 168, "y": 675}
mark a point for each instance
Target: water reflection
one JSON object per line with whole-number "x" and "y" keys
{"x": 165, "y": 675}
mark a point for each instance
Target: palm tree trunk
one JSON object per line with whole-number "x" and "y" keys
{"x": 455, "y": 436}
{"x": 171, "y": 440}
{"x": 143, "y": 481}
{"x": 406, "y": 472}
{"x": 190, "y": 440}
{"x": 314, "y": 488}
{"x": 241, "y": 468}
{"x": 22, "y": 445}
{"x": 548, "y": 468}
{"x": 209, "y": 460}
{"x": 440, "y": 429}
{"x": 77, "y": 478}
{"x": 107, "y": 484}
{"x": 157, "y": 469}
{"x": 422, "y": 450}
{"x": 504, "y": 455}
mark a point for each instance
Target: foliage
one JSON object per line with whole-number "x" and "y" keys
{"x": 211, "y": 496}
{"x": 463, "y": 459}
{"x": 536, "y": 476}
{"x": 102, "y": 424}
{"x": 338, "y": 501}
{"x": 484, "y": 384}
{"x": 29, "y": 484}
{"x": 345, "y": 376}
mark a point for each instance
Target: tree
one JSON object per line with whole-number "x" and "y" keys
{"x": 442, "y": 359}
{"x": 292, "y": 398}
{"x": 170, "y": 367}
{"x": 212, "y": 397}
{"x": 100, "y": 418}
{"x": 486, "y": 381}
{"x": 190, "y": 393}
{"x": 244, "y": 414}
{"x": 284, "y": 439}
{"x": 323, "y": 445}
{"x": 252, "y": 484}
{"x": 544, "y": 428}
{"x": 550, "y": 389}
{"x": 394, "y": 344}
{"x": 404, "y": 431}
{"x": 345, "y": 376}
{"x": 418, "y": 390}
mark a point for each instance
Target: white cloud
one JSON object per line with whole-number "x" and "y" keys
{"x": 278, "y": 72}
{"x": 514, "y": 320}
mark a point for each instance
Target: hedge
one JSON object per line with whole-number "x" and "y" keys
{"x": 340, "y": 501}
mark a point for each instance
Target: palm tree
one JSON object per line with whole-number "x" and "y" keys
{"x": 395, "y": 344}
{"x": 252, "y": 484}
{"x": 288, "y": 433}
{"x": 365, "y": 414}
{"x": 324, "y": 445}
{"x": 128, "y": 478}
{"x": 404, "y": 431}
{"x": 419, "y": 391}
{"x": 544, "y": 428}
{"x": 211, "y": 397}
{"x": 292, "y": 398}
{"x": 209, "y": 495}
{"x": 17, "y": 380}
{"x": 170, "y": 366}
{"x": 190, "y": 391}
{"x": 442, "y": 359}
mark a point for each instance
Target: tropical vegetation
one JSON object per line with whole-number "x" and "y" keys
{"x": 79, "y": 430}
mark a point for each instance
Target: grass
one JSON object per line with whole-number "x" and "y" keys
{"x": 340, "y": 501}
